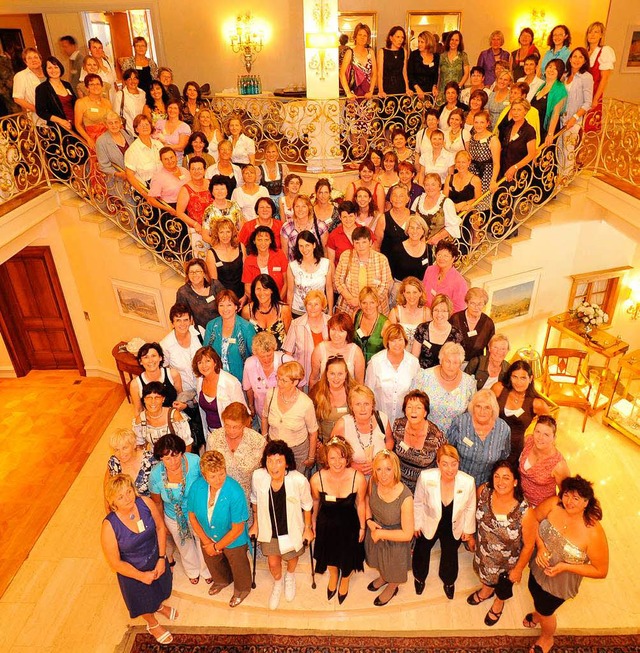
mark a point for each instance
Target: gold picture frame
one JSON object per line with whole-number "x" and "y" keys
{"x": 436, "y": 22}
{"x": 347, "y": 20}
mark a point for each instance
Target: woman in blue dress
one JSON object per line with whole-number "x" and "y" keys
{"x": 134, "y": 543}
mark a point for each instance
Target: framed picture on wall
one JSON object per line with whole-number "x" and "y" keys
{"x": 630, "y": 62}
{"x": 139, "y": 302}
{"x": 347, "y": 20}
{"x": 436, "y": 22}
{"x": 512, "y": 299}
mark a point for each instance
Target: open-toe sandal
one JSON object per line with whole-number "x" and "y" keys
{"x": 165, "y": 638}
{"x": 528, "y": 621}
{"x": 173, "y": 613}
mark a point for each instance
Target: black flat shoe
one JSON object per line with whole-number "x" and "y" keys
{"x": 331, "y": 593}
{"x": 342, "y": 597}
{"x": 419, "y": 585}
{"x": 492, "y": 618}
{"x": 372, "y": 588}
{"x": 379, "y": 603}
{"x": 449, "y": 591}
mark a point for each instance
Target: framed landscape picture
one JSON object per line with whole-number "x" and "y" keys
{"x": 631, "y": 54}
{"x": 139, "y": 302}
{"x": 512, "y": 298}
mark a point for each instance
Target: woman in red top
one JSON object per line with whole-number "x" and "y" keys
{"x": 265, "y": 210}
{"x": 193, "y": 198}
{"x": 264, "y": 258}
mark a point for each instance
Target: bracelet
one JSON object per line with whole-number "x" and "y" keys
{"x": 576, "y": 116}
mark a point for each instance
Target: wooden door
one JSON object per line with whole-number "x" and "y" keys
{"x": 35, "y": 323}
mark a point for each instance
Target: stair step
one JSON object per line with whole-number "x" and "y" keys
{"x": 94, "y": 216}
{"x": 132, "y": 248}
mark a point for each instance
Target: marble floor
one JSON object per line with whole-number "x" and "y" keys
{"x": 65, "y": 598}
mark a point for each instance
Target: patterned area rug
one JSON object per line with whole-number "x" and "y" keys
{"x": 207, "y": 640}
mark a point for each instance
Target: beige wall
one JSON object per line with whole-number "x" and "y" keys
{"x": 86, "y": 264}
{"x": 192, "y": 43}
{"x": 623, "y": 13}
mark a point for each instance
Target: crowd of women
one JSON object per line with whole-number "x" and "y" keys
{"x": 329, "y": 377}
{"x": 373, "y": 432}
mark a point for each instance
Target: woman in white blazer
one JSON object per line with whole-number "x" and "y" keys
{"x": 282, "y": 496}
{"x": 445, "y": 509}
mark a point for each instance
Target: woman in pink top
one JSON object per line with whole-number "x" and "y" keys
{"x": 443, "y": 279}
{"x": 542, "y": 466}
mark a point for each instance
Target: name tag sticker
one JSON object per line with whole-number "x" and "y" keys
{"x": 232, "y": 341}
{"x": 330, "y": 497}
{"x": 502, "y": 519}
{"x": 173, "y": 486}
{"x": 433, "y": 292}
{"x": 94, "y": 110}
{"x": 140, "y": 525}
{"x": 219, "y": 264}
{"x": 518, "y": 412}
{"x": 277, "y": 269}
{"x": 404, "y": 446}
{"x": 210, "y": 299}
{"x": 360, "y": 333}
{"x": 472, "y": 333}
{"x": 426, "y": 344}
{"x": 425, "y": 261}
{"x": 139, "y": 67}
{"x": 467, "y": 442}
{"x": 341, "y": 409}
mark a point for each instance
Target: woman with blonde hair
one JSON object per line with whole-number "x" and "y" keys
{"x": 445, "y": 510}
{"x": 303, "y": 219}
{"x": 391, "y": 371}
{"x": 289, "y": 415}
{"x": 423, "y": 65}
{"x": 390, "y": 527}
{"x": 364, "y": 428}
{"x": 330, "y": 398}
{"x": 448, "y": 387}
{"x": 480, "y": 436}
{"x": 224, "y": 258}
{"x": 206, "y": 122}
{"x": 369, "y": 324}
{"x": 138, "y": 556}
{"x": 308, "y": 331}
{"x": 130, "y": 459}
{"x": 339, "y": 510}
{"x": 489, "y": 57}
{"x": 411, "y": 308}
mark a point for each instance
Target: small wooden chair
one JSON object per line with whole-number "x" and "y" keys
{"x": 563, "y": 380}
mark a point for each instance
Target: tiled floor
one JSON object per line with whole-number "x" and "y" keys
{"x": 65, "y": 598}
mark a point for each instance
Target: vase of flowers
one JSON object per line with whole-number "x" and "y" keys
{"x": 590, "y": 316}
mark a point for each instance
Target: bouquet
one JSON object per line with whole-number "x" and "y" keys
{"x": 590, "y": 314}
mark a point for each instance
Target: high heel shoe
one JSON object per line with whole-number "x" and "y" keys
{"x": 331, "y": 593}
{"x": 379, "y": 603}
{"x": 342, "y": 597}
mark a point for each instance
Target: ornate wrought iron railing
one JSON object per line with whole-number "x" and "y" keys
{"x": 31, "y": 158}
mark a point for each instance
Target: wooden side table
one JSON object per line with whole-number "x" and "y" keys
{"x": 126, "y": 363}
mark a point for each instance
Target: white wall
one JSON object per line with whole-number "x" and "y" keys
{"x": 623, "y": 13}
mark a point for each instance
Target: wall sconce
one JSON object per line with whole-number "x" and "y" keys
{"x": 321, "y": 41}
{"x": 634, "y": 310}
{"x": 539, "y": 23}
{"x": 247, "y": 40}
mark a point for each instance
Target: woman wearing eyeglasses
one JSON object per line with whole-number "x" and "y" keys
{"x": 476, "y": 327}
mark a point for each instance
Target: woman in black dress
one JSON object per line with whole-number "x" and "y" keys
{"x": 423, "y": 66}
{"x": 392, "y": 64}
{"x": 339, "y": 517}
{"x": 517, "y": 140}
